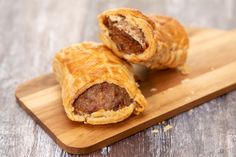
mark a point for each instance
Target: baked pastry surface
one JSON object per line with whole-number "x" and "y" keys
{"x": 157, "y": 42}
{"x": 86, "y": 71}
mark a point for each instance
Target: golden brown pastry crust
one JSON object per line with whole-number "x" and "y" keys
{"x": 166, "y": 38}
{"x": 81, "y": 66}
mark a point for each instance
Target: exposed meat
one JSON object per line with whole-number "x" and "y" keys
{"x": 128, "y": 38}
{"x": 102, "y": 96}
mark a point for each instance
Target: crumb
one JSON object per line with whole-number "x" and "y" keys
{"x": 137, "y": 84}
{"x": 212, "y": 68}
{"x": 168, "y": 127}
{"x": 185, "y": 80}
{"x": 190, "y": 112}
{"x": 184, "y": 70}
{"x": 105, "y": 150}
{"x": 192, "y": 92}
{"x": 163, "y": 122}
{"x": 154, "y": 131}
{"x": 153, "y": 90}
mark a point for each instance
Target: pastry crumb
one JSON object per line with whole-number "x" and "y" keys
{"x": 105, "y": 150}
{"x": 212, "y": 68}
{"x": 154, "y": 131}
{"x": 153, "y": 89}
{"x": 167, "y": 127}
{"x": 192, "y": 92}
{"x": 163, "y": 122}
{"x": 185, "y": 70}
{"x": 190, "y": 112}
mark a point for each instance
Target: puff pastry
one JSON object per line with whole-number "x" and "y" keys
{"x": 97, "y": 86}
{"x": 157, "y": 42}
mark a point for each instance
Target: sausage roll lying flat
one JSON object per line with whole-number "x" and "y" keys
{"x": 155, "y": 41}
{"x": 97, "y": 86}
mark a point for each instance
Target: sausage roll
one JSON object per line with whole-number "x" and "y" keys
{"x": 97, "y": 86}
{"x": 155, "y": 41}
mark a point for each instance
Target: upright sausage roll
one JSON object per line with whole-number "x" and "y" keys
{"x": 155, "y": 41}
{"x": 97, "y": 86}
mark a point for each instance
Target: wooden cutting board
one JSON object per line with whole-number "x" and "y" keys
{"x": 212, "y": 64}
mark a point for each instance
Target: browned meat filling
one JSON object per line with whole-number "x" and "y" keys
{"x": 102, "y": 96}
{"x": 128, "y": 38}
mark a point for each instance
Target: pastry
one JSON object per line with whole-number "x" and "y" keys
{"x": 97, "y": 86}
{"x": 157, "y": 42}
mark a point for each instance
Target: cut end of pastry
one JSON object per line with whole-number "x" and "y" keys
{"x": 128, "y": 33}
{"x": 128, "y": 37}
{"x": 107, "y": 96}
{"x": 103, "y": 103}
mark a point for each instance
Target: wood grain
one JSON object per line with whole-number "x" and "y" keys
{"x": 176, "y": 93}
{"x": 32, "y": 31}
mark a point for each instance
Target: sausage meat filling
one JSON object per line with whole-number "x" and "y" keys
{"x": 102, "y": 96}
{"x": 128, "y": 38}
